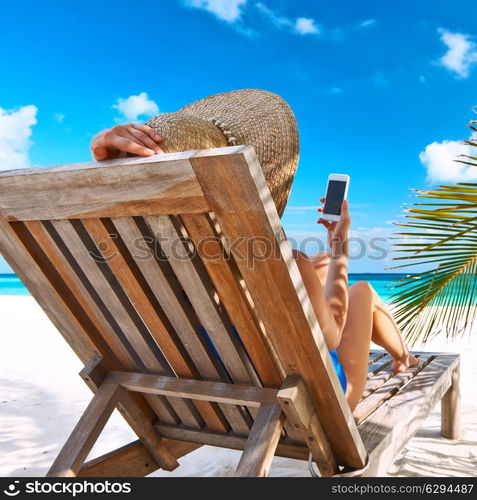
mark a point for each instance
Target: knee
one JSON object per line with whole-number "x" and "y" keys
{"x": 363, "y": 287}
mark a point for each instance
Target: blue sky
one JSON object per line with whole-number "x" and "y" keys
{"x": 381, "y": 91}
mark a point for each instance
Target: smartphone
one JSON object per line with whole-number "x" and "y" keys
{"x": 336, "y": 193}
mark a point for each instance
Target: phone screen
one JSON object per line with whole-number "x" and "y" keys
{"x": 334, "y": 197}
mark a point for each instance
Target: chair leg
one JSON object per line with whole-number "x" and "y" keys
{"x": 450, "y": 408}
{"x": 262, "y": 442}
{"x": 81, "y": 440}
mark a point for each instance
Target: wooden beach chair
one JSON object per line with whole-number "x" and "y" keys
{"x": 171, "y": 279}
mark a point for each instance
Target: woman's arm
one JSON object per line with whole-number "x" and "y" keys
{"x": 330, "y": 302}
{"x": 336, "y": 287}
{"x": 132, "y": 138}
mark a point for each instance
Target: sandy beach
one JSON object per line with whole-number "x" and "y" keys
{"x": 42, "y": 397}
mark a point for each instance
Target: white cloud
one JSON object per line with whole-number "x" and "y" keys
{"x": 461, "y": 53}
{"x": 300, "y": 26}
{"x": 306, "y": 26}
{"x": 368, "y": 23}
{"x": 136, "y": 105}
{"x": 439, "y": 161}
{"x": 231, "y": 12}
{"x": 226, "y": 10}
{"x": 15, "y": 131}
{"x": 277, "y": 20}
{"x": 59, "y": 117}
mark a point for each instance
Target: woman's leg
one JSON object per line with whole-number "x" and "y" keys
{"x": 353, "y": 350}
{"x": 387, "y": 335}
{"x": 368, "y": 319}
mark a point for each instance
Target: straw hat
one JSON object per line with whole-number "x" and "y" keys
{"x": 250, "y": 116}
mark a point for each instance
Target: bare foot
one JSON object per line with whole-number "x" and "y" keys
{"x": 401, "y": 365}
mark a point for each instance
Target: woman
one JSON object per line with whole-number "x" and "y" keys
{"x": 350, "y": 318}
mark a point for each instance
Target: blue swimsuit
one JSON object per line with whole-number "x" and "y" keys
{"x": 339, "y": 369}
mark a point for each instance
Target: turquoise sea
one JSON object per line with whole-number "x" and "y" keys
{"x": 11, "y": 285}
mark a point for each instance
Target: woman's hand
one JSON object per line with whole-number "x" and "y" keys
{"x": 337, "y": 231}
{"x": 140, "y": 140}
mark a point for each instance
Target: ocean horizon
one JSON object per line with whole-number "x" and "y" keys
{"x": 10, "y": 284}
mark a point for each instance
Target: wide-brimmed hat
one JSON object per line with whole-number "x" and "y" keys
{"x": 250, "y": 116}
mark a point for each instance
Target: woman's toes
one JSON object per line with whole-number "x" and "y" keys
{"x": 413, "y": 361}
{"x": 401, "y": 365}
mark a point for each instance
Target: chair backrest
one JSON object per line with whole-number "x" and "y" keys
{"x": 177, "y": 265}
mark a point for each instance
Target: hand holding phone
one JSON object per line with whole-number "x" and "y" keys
{"x": 337, "y": 230}
{"x": 336, "y": 193}
{"x": 335, "y": 216}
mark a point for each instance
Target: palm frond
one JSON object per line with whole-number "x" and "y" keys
{"x": 440, "y": 231}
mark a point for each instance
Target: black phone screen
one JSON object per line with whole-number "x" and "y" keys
{"x": 334, "y": 197}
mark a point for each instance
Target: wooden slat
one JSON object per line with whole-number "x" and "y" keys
{"x": 132, "y": 460}
{"x": 137, "y": 290}
{"x": 236, "y": 189}
{"x": 379, "y": 365}
{"x": 375, "y": 356}
{"x": 169, "y": 294}
{"x": 379, "y": 375}
{"x": 299, "y": 410}
{"x": 262, "y": 442}
{"x": 79, "y": 444}
{"x": 389, "y": 428}
{"x": 208, "y": 246}
{"x": 51, "y": 301}
{"x": 194, "y": 389}
{"x": 92, "y": 269}
{"x": 230, "y": 440}
{"x": 375, "y": 382}
{"x": 225, "y": 278}
{"x": 130, "y": 186}
{"x": 98, "y": 328}
{"x": 52, "y": 267}
{"x": 200, "y": 295}
{"x": 367, "y": 406}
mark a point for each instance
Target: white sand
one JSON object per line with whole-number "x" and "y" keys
{"x": 42, "y": 398}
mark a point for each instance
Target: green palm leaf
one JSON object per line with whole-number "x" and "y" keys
{"x": 441, "y": 232}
